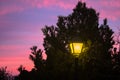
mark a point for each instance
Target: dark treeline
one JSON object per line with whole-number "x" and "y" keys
{"x": 97, "y": 61}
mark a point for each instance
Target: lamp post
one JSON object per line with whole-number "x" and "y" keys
{"x": 76, "y": 48}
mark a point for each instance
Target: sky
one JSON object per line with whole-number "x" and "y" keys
{"x": 21, "y": 22}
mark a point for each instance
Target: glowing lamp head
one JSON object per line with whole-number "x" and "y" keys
{"x": 76, "y": 48}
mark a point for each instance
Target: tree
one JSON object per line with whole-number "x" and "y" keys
{"x": 24, "y": 74}
{"x": 95, "y": 59}
{"x": 37, "y": 58}
{"x": 107, "y": 41}
{"x": 21, "y": 68}
{"x": 5, "y": 75}
{"x": 116, "y": 63}
{"x": 38, "y": 72}
{"x": 39, "y": 63}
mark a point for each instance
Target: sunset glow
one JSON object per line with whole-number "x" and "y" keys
{"x": 21, "y": 22}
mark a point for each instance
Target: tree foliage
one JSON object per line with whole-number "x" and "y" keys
{"x": 81, "y": 25}
{"x": 38, "y": 72}
{"x": 36, "y": 57}
{"x": 5, "y": 75}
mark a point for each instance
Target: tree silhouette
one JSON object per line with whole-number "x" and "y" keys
{"x": 5, "y": 75}
{"x": 82, "y": 24}
{"x": 116, "y": 63}
{"x": 24, "y": 74}
{"x": 38, "y": 72}
{"x": 21, "y": 68}
{"x": 37, "y": 58}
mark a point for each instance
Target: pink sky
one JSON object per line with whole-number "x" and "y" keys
{"x": 21, "y": 22}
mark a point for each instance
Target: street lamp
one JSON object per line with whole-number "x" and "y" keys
{"x": 76, "y": 48}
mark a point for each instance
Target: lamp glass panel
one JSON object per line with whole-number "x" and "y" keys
{"x": 76, "y": 48}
